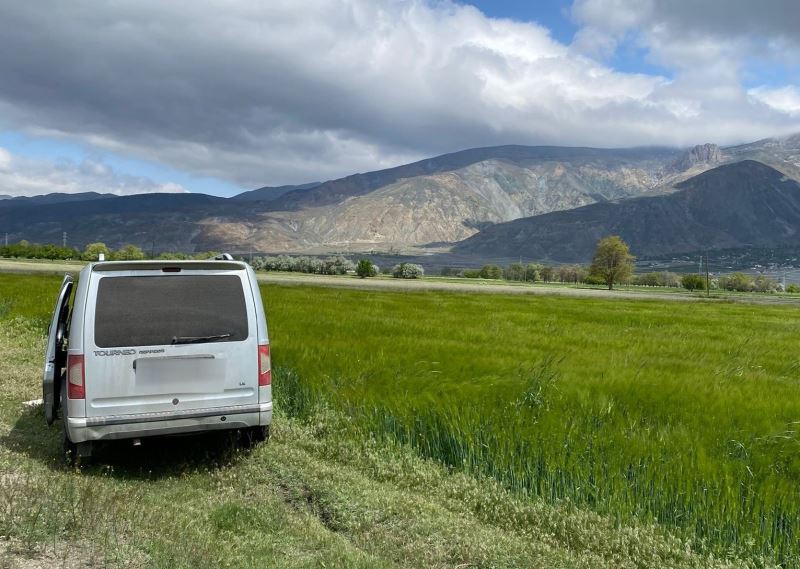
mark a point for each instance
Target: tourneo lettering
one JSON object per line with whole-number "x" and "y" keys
{"x": 128, "y": 352}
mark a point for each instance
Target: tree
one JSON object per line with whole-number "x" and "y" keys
{"x": 763, "y": 283}
{"x": 693, "y": 282}
{"x": 533, "y": 272}
{"x": 365, "y": 268}
{"x": 515, "y": 272}
{"x": 547, "y": 274}
{"x": 737, "y": 281}
{"x": 612, "y": 261}
{"x": 128, "y": 253}
{"x": 93, "y": 251}
{"x": 407, "y": 271}
{"x": 491, "y": 272}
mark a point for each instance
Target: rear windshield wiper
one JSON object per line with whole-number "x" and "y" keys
{"x": 199, "y": 339}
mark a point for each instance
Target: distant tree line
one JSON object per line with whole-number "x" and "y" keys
{"x": 26, "y": 250}
{"x": 612, "y": 264}
{"x": 335, "y": 265}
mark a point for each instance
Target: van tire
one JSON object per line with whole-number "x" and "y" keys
{"x": 74, "y": 453}
{"x": 252, "y": 436}
{"x": 70, "y": 451}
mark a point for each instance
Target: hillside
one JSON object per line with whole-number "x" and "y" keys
{"x": 440, "y": 200}
{"x": 735, "y": 205}
{"x": 270, "y": 193}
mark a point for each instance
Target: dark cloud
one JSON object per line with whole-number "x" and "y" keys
{"x": 280, "y": 92}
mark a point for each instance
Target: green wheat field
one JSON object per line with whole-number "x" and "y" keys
{"x": 436, "y": 429}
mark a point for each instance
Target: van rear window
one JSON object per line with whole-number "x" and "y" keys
{"x": 152, "y": 311}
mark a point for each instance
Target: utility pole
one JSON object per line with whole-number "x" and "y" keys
{"x": 708, "y": 281}
{"x": 6, "y": 238}
{"x": 64, "y": 240}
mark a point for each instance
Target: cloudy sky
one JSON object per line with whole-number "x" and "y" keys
{"x": 219, "y": 96}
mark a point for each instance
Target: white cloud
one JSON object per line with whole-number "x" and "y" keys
{"x": 275, "y": 92}
{"x": 5, "y": 159}
{"x": 783, "y": 99}
{"x": 22, "y": 176}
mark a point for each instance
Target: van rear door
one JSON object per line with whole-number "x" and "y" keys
{"x": 55, "y": 358}
{"x": 161, "y": 341}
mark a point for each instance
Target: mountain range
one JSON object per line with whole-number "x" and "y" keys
{"x": 481, "y": 202}
{"x": 738, "y": 205}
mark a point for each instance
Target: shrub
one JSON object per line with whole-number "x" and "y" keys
{"x": 408, "y": 271}
{"x": 594, "y": 280}
{"x": 471, "y": 273}
{"x": 693, "y": 282}
{"x": 365, "y": 269}
{"x": 793, "y": 288}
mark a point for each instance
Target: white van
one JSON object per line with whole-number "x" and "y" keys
{"x": 158, "y": 348}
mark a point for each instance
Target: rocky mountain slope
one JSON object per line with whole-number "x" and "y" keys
{"x": 735, "y": 205}
{"x": 438, "y": 200}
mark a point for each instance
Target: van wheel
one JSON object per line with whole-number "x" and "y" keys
{"x": 252, "y": 436}
{"x": 77, "y": 454}
{"x": 70, "y": 451}
{"x": 74, "y": 453}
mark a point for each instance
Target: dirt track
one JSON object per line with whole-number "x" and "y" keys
{"x": 479, "y": 287}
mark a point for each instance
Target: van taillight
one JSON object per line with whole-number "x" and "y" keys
{"x": 75, "y": 377}
{"x": 264, "y": 365}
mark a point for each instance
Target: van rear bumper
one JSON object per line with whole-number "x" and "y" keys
{"x": 112, "y": 427}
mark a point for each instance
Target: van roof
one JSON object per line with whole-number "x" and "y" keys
{"x": 209, "y": 264}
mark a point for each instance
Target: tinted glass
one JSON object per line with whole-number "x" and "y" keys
{"x": 149, "y": 311}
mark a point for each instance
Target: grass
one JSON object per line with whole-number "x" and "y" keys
{"x": 683, "y": 414}
{"x": 559, "y": 429}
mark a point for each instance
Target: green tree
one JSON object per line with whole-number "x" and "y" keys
{"x": 763, "y": 283}
{"x": 612, "y": 261}
{"x": 737, "y": 281}
{"x": 365, "y": 269}
{"x": 408, "y": 271}
{"x": 515, "y": 272}
{"x": 491, "y": 272}
{"x": 547, "y": 274}
{"x": 693, "y": 282}
{"x": 533, "y": 272}
{"x": 93, "y": 250}
{"x": 128, "y": 253}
